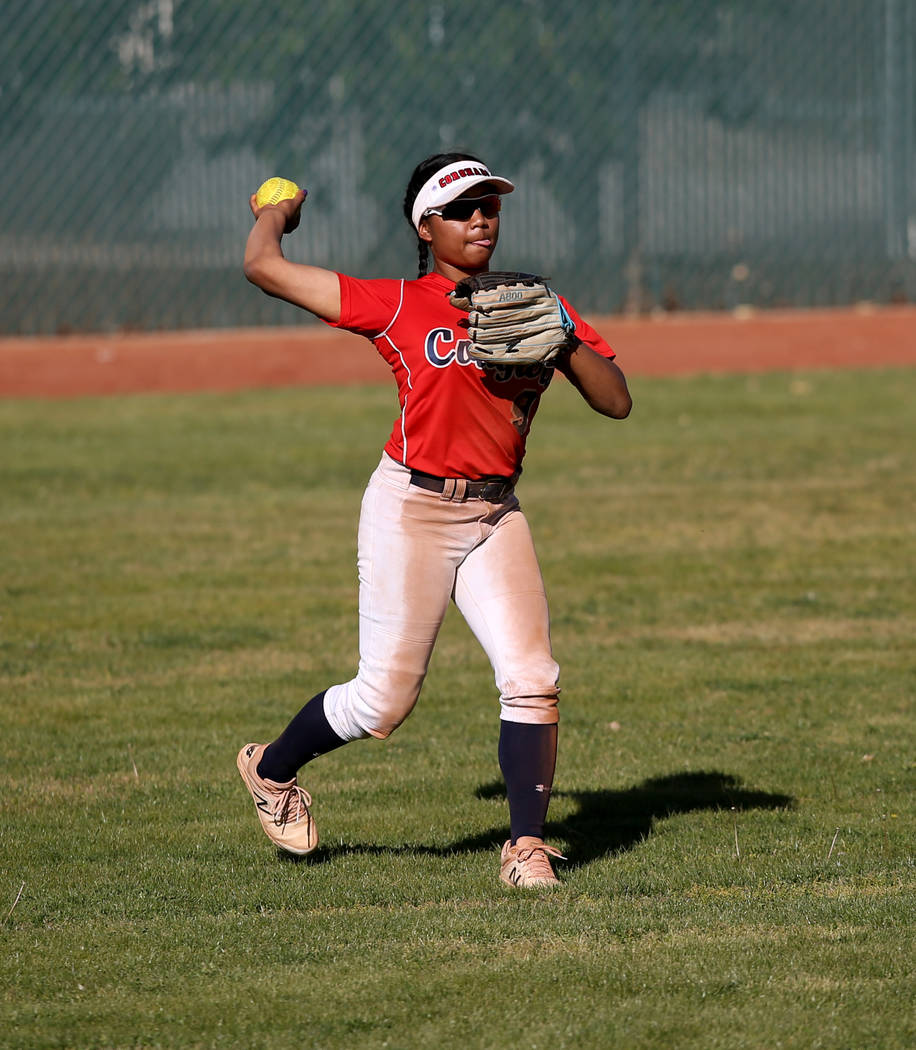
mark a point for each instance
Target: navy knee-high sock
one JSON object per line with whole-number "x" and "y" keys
{"x": 307, "y": 736}
{"x": 527, "y": 758}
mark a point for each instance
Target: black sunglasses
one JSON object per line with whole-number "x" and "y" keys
{"x": 463, "y": 208}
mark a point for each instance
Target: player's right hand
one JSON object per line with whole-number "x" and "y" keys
{"x": 290, "y": 208}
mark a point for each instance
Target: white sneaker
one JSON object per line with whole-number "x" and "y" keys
{"x": 527, "y": 863}
{"x": 283, "y": 809}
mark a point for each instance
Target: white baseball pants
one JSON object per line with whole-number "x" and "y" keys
{"x": 416, "y": 551}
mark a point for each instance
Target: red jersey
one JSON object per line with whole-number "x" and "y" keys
{"x": 459, "y": 418}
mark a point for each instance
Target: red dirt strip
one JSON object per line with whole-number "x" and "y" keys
{"x": 313, "y": 355}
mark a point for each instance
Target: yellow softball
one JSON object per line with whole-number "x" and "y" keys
{"x": 275, "y": 190}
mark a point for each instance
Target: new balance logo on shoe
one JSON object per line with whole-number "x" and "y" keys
{"x": 283, "y": 809}
{"x": 527, "y": 864}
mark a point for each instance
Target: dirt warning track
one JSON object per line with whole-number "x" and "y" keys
{"x": 314, "y": 355}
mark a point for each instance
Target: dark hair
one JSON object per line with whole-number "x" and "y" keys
{"x": 421, "y": 173}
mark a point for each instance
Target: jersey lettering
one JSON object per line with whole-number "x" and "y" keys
{"x": 433, "y": 339}
{"x": 441, "y": 355}
{"x": 461, "y": 353}
{"x": 504, "y": 373}
{"x": 437, "y": 340}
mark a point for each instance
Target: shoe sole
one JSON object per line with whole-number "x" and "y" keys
{"x": 530, "y": 885}
{"x": 241, "y": 765}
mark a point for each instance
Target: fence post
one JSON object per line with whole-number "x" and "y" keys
{"x": 631, "y": 150}
{"x": 897, "y": 113}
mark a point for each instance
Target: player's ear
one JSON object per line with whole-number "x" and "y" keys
{"x": 424, "y": 232}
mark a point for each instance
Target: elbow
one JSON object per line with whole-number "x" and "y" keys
{"x": 263, "y": 269}
{"x": 254, "y": 273}
{"x": 261, "y": 274}
{"x": 616, "y": 395}
{"x": 623, "y": 407}
{"x": 617, "y": 407}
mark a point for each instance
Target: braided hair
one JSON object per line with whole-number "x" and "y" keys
{"x": 421, "y": 173}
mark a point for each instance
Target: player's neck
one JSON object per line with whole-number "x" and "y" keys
{"x": 454, "y": 273}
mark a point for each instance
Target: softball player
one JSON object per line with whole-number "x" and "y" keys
{"x": 440, "y": 520}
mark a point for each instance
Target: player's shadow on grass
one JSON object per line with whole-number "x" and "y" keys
{"x": 607, "y": 822}
{"x": 603, "y": 822}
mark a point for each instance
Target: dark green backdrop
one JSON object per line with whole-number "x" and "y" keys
{"x": 693, "y": 154}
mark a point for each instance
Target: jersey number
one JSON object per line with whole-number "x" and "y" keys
{"x": 523, "y": 410}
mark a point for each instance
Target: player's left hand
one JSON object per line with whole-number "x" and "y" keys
{"x": 291, "y": 208}
{"x": 513, "y": 318}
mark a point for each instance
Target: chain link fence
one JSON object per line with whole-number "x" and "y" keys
{"x": 668, "y": 154}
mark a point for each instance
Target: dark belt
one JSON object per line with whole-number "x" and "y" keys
{"x": 493, "y": 490}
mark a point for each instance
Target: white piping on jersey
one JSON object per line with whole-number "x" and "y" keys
{"x": 394, "y": 318}
{"x": 396, "y": 349}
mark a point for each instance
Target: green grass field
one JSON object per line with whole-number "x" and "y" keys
{"x": 731, "y": 574}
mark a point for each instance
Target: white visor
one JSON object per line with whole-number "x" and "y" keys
{"x": 450, "y": 182}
